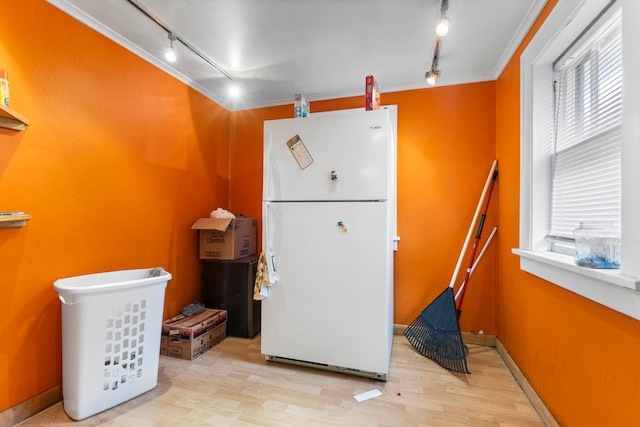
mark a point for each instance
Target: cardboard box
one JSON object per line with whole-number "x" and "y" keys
{"x": 372, "y": 97}
{"x": 192, "y": 349}
{"x": 226, "y": 238}
{"x": 187, "y": 337}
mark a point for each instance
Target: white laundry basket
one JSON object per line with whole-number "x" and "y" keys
{"x": 111, "y": 328}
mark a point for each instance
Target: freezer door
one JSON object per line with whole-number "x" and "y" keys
{"x": 333, "y": 301}
{"x": 329, "y": 157}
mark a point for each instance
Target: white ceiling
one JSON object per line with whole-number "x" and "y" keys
{"x": 323, "y": 49}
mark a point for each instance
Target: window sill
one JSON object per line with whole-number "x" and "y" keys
{"x": 610, "y": 288}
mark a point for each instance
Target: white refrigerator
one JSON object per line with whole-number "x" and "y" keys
{"x": 329, "y": 223}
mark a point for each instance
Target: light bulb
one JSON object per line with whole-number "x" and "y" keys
{"x": 432, "y": 77}
{"x": 442, "y": 29}
{"x": 170, "y": 55}
{"x": 234, "y": 90}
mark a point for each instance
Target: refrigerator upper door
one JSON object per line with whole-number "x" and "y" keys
{"x": 336, "y": 156}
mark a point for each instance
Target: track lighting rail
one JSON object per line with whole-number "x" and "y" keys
{"x": 174, "y": 36}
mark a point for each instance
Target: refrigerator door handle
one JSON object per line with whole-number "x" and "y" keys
{"x": 396, "y": 241}
{"x": 271, "y": 265}
{"x": 270, "y": 258}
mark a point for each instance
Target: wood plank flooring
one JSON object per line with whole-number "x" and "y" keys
{"x": 233, "y": 385}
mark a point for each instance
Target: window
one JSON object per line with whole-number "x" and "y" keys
{"x": 580, "y": 156}
{"x": 586, "y": 142}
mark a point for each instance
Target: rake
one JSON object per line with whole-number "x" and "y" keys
{"x": 435, "y": 333}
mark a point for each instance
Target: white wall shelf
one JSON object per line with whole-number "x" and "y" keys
{"x": 11, "y": 120}
{"x": 19, "y": 220}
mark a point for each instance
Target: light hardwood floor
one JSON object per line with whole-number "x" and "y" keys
{"x": 233, "y": 385}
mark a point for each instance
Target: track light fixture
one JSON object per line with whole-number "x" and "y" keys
{"x": 432, "y": 76}
{"x": 170, "y": 53}
{"x": 442, "y": 29}
{"x": 433, "y": 73}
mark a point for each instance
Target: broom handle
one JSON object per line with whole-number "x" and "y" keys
{"x": 478, "y": 234}
{"x": 473, "y": 224}
{"x": 476, "y": 261}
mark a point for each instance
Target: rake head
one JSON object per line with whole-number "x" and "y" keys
{"x": 435, "y": 333}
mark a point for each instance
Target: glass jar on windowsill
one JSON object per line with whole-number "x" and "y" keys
{"x": 597, "y": 244}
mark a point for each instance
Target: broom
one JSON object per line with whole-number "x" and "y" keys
{"x": 435, "y": 333}
{"x": 463, "y": 287}
{"x": 461, "y": 291}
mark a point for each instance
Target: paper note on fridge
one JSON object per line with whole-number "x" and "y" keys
{"x": 300, "y": 152}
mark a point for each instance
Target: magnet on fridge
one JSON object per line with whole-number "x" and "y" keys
{"x": 334, "y": 176}
{"x": 344, "y": 227}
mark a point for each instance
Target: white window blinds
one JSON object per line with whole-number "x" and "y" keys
{"x": 586, "y": 148}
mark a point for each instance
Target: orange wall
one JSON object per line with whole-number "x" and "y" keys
{"x": 579, "y": 355}
{"x": 114, "y": 168}
{"x": 446, "y": 144}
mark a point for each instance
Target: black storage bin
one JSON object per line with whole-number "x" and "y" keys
{"x": 228, "y": 285}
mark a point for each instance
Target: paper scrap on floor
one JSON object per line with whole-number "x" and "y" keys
{"x": 367, "y": 395}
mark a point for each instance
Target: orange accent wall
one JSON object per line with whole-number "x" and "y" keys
{"x": 446, "y": 145}
{"x": 579, "y": 356}
{"x": 117, "y": 163}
